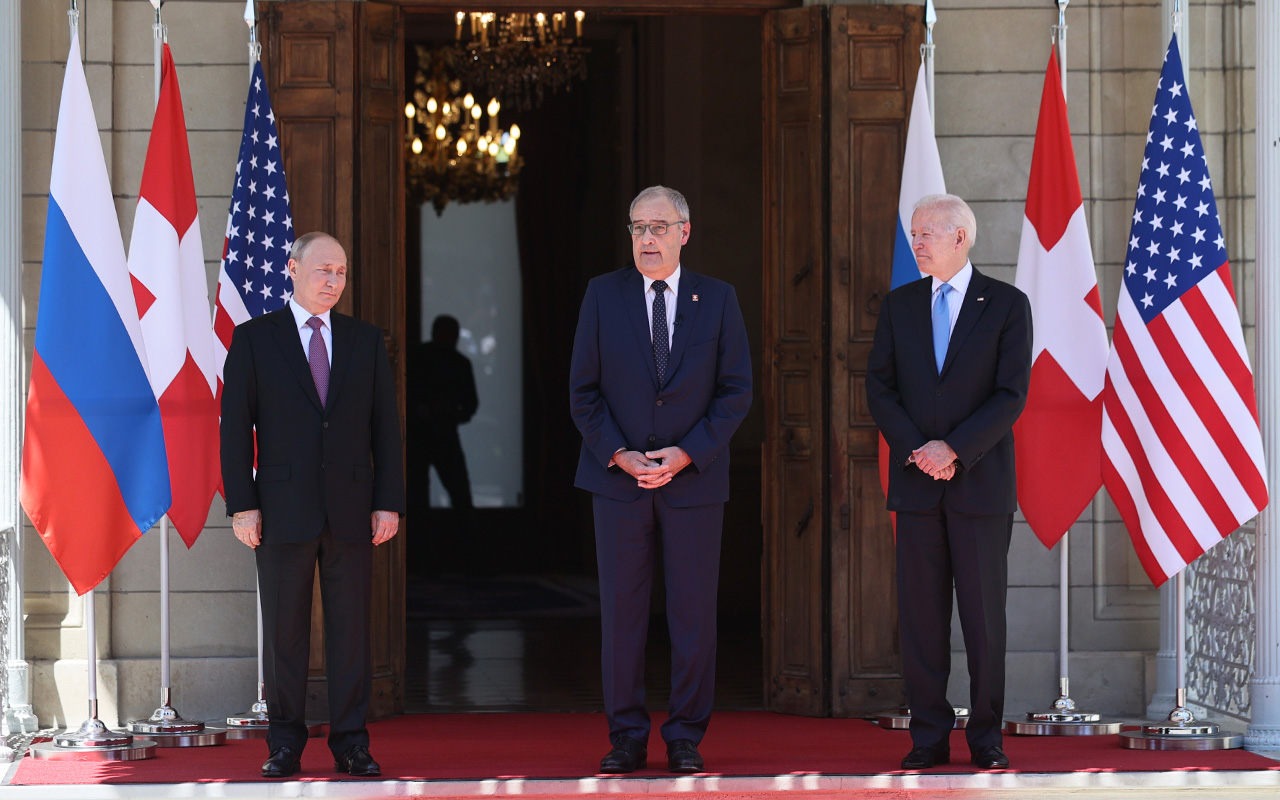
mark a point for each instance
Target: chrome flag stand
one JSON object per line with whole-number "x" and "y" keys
{"x": 93, "y": 740}
{"x": 1181, "y": 731}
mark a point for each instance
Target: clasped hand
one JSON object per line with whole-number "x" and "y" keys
{"x": 935, "y": 459}
{"x": 654, "y": 468}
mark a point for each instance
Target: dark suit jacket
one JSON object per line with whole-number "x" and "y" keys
{"x": 337, "y": 463}
{"x": 615, "y": 399}
{"x": 971, "y": 405}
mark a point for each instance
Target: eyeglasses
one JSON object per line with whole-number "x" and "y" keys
{"x": 657, "y": 228}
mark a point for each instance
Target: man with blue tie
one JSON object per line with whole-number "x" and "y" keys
{"x": 947, "y": 377}
{"x": 659, "y": 381}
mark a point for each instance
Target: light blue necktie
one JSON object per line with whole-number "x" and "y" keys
{"x": 941, "y": 325}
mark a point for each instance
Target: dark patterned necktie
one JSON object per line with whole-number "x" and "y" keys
{"x": 318, "y": 358}
{"x": 661, "y": 341}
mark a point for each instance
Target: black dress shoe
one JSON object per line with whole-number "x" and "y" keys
{"x": 926, "y": 757}
{"x": 683, "y": 756}
{"x": 357, "y": 761}
{"x": 282, "y": 763}
{"x": 990, "y": 757}
{"x": 627, "y": 755}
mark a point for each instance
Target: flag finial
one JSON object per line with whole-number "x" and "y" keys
{"x": 250, "y": 13}
{"x": 930, "y": 14}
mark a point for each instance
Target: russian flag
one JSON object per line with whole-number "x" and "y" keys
{"x": 94, "y": 471}
{"x": 921, "y": 177}
{"x": 166, "y": 264}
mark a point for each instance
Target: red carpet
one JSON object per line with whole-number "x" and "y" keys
{"x": 474, "y": 746}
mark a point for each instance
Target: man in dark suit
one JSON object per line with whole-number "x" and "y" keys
{"x": 660, "y": 379}
{"x": 946, "y": 379}
{"x": 316, "y": 386}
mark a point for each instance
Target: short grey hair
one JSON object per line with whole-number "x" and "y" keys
{"x": 304, "y": 242}
{"x": 952, "y": 210}
{"x": 670, "y": 195}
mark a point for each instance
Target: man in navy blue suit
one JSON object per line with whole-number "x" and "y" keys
{"x": 659, "y": 381}
{"x": 946, "y": 379}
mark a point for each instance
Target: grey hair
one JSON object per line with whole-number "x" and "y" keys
{"x": 304, "y": 242}
{"x": 952, "y": 210}
{"x": 670, "y": 195}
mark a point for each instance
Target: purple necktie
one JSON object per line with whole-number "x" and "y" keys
{"x": 318, "y": 358}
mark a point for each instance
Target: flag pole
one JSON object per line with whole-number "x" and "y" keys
{"x": 1181, "y": 730}
{"x": 1063, "y": 717}
{"x": 165, "y": 725}
{"x": 254, "y": 722}
{"x": 926, "y": 54}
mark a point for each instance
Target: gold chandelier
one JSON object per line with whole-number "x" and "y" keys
{"x": 519, "y": 57}
{"x": 456, "y": 149}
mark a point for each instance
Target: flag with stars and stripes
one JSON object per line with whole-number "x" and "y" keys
{"x": 254, "y": 277}
{"x": 1182, "y": 451}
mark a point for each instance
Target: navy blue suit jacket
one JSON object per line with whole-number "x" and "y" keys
{"x": 971, "y": 405}
{"x": 615, "y": 399}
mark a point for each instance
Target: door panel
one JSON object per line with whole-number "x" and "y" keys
{"x": 328, "y": 66}
{"x": 794, "y": 295}
{"x": 873, "y": 50}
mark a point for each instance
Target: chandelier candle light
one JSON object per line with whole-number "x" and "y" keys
{"x": 455, "y": 153}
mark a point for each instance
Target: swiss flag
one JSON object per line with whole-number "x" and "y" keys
{"x": 166, "y": 264}
{"x": 1059, "y": 435}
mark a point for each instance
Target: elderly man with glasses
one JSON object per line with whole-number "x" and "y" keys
{"x": 660, "y": 380}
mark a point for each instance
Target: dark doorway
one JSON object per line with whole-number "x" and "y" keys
{"x": 502, "y": 608}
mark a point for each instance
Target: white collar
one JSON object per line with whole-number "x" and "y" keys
{"x": 959, "y": 281}
{"x": 301, "y": 315}
{"x": 673, "y": 281}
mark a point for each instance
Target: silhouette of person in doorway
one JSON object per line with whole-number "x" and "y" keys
{"x": 442, "y": 392}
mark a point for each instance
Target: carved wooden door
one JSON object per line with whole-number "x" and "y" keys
{"x": 875, "y": 55}
{"x": 837, "y": 85}
{"x": 334, "y": 71}
{"x": 795, "y": 300}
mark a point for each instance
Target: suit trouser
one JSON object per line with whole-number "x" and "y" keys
{"x": 286, "y": 574}
{"x": 627, "y": 535}
{"x": 936, "y": 549}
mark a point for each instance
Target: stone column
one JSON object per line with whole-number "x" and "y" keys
{"x": 16, "y": 685}
{"x": 1264, "y": 687}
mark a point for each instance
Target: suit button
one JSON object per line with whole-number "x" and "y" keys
{"x": 937, "y": 394}
{"x": 659, "y": 402}
{"x": 326, "y": 424}
{"x": 653, "y": 439}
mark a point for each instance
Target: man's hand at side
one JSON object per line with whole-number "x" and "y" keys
{"x": 385, "y": 525}
{"x": 247, "y": 526}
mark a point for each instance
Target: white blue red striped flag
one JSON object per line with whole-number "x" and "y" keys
{"x": 921, "y": 177}
{"x": 94, "y": 472}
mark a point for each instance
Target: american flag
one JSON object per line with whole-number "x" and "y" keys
{"x": 1182, "y": 448}
{"x": 254, "y": 277}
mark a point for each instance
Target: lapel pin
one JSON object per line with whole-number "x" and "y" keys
{"x": 695, "y": 298}
{"x": 980, "y": 299}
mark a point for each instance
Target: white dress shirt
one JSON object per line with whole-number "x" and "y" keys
{"x": 300, "y": 316}
{"x": 959, "y": 285}
{"x": 672, "y": 292}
